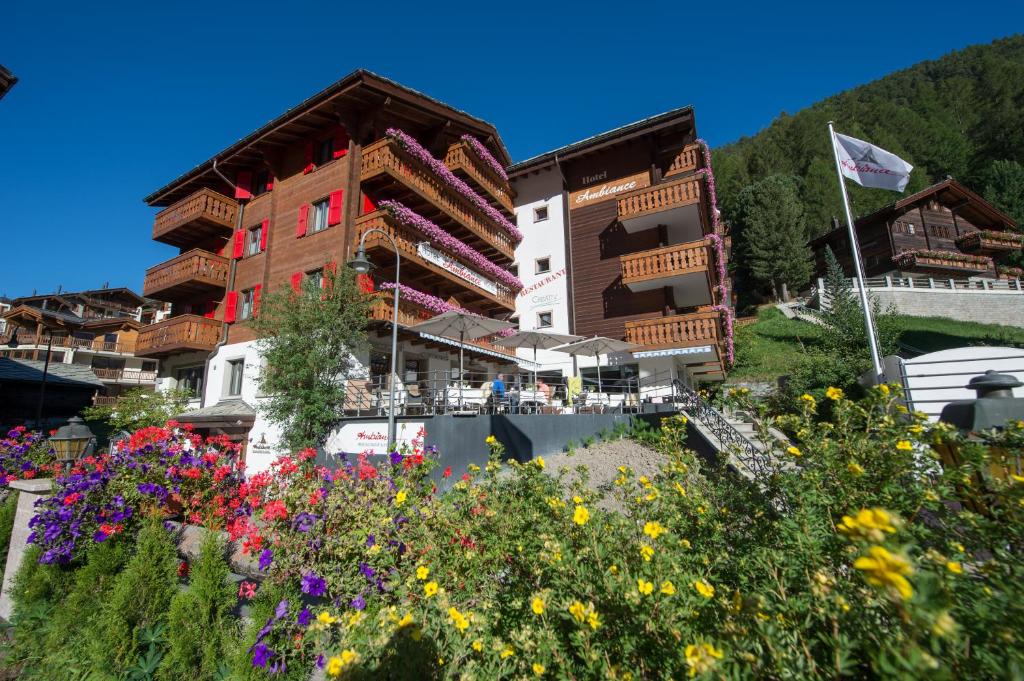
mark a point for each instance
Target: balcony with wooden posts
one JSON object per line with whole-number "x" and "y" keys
{"x": 943, "y": 262}
{"x": 410, "y": 314}
{"x": 130, "y": 376}
{"x": 686, "y": 268}
{"x": 388, "y": 171}
{"x": 990, "y": 243}
{"x": 463, "y": 160}
{"x": 184, "y": 333}
{"x": 687, "y": 160}
{"x": 459, "y": 278}
{"x": 676, "y": 204}
{"x": 191, "y": 274}
{"x": 28, "y": 339}
{"x": 197, "y": 217}
{"x": 695, "y": 329}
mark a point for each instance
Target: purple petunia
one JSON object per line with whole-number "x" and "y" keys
{"x": 396, "y": 458}
{"x": 304, "y": 618}
{"x": 261, "y": 654}
{"x": 281, "y": 610}
{"x": 303, "y": 522}
{"x": 367, "y": 571}
{"x": 313, "y": 584}
{"x": 266, "y": 558}
{"x": 358, "y": 603}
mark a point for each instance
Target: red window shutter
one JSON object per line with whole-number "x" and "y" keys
{"x": 230, "y": 305}
{"x": 239, "y": 244}
{"x": 264, "y": 232}
{"x": 340, "y": 141}
{"x": 243, "y": 184}
{"x": 365, "y": 282}
{"x": 309, "y": 158}
{"x": 256, "y": 299}
{"x": 334, "y": 207}
{"x": 270, "y": 181}
{"x": 297, "y": 282}
{"x": 368, "y": 206}
{"x": 300, "y": 228}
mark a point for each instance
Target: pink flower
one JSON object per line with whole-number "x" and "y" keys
{"x": 246, "y": 590}
{"x": 482, "y": 152}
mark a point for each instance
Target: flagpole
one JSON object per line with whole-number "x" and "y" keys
{"x": 869, "y": 324}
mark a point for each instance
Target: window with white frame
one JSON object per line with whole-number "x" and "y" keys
{"x": 542, "y": 265}
{"x": 236, "y": 369}
{"x": 318, "y": 218}
{"x": 540, "y": 213}
{"x": 316, "y": 276}
{"x": 545, "y": 319}
{"x": 253, "y": 236}
{"x": 246, "y": 301}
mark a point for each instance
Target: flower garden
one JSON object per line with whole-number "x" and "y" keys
{"x": 865, "y": 553}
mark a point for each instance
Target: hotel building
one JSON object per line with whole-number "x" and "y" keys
{"x": 293, "y": 198}
{"x": 621, "y": 239}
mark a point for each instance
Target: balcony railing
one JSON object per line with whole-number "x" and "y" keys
{"x": 125, "y": 375}
{"x": 462, "y": 156}
{"x": 990, "y": 243}
{"x": 669, "y": 261}
{"x": 28, "y": 338}
{"x": 104, "y": 400}
{"x": 678, "y": 331}
{"x": 385, "y": 156}
{"x": 945, "y": 261}
{"x": 199, "y": 215}
{"x": 687, "y": 160}
{"x": 410, "y": 314}
{"x": 408, "y": 239}
{"x": 187, "y": 275}
{"x": 178, "y": 334}
{"x": 660, "y": 197}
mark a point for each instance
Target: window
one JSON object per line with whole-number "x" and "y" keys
{"x": 542, "y": 265}
{"x": 260, "y": 180}
{"x": 149, "y": 365}
{"x": 236, "y": 367}
{"x": 514, "y": 269}
{"x": 317, "y": 277}
{"x": 540, "y": 213}
{"x": 910, "y": 228}
{"x": 941, "y": 231}
{"x": 252, "y": 240}
{"x": 246, "y": 299}
{"x": 323, "y": 151}
{"x": 318, "y": 216}
{"x": 190, "y": 379}
{"x": 544, "y": 320}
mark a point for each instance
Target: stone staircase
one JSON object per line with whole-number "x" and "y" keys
{"x": 800, "y": 311}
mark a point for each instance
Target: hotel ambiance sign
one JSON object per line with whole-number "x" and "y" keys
{"x": 606, "y": 189}
{"x": 442, "y": 260}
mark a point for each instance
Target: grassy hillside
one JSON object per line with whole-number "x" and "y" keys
{"x": 773, "y": 345}
{"x": 953, "y": 116}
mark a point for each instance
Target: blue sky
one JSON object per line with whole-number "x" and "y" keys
{"x": 116, "y": 99}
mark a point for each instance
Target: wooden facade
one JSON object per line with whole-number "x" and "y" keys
{"x": 943, "y": 231}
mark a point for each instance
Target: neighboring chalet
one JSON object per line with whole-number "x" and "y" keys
{"x": 95, "y": 329}
{"x": 945, "y": 231}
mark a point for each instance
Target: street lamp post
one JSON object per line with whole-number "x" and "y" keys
{"x": 361, "y": 264}
{"x": 72, "y": 441}
{"x": 13, "y": 343}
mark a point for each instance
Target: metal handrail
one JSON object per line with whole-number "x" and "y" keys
{"x": 731, "y": 439}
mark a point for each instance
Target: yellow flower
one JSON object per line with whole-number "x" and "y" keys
{"x": 491, "y": 440}
{"x": 644, "y": 587}
{"x": 336, "y": 664}
{"x": 537, "y": 605}
{"x": 685, "y": 543}
{"x": 405, "y": 621}
{"x": 355, "y": 618}
{"x": 1017, "y": 478}
{"x": 577, "y": 611}
{"x": 654, "y": 529}
{"x": 916, "y": 429}
{"x": 400, "y": 497}
{"x": 581, "y": 515}
{"x": 668, "y": 588}
{"x": 538, "y": 669}
{"x": 473, "y": 468}
{"x": 577, "y": 499}
{"x": 883, "y": 388}
{"x": 701, "y": 658}
{"x": 422, "y": 572}
{"x": 904, "y": 446}
{"x": 886, "y": 570}
{"x": 458, "y": 619}
{"x": 614, "y": 569}
{"x": 808, "y": 399}
{"x": 593, "y": 620}
{"x": 507, "y": 652}
{"x": 539, "y": 461}
{"x": 855, "y": 468}
{"x": 478, "y": 645}
{"x": 834, "y": 394}
{"x": 794, "y": 451}
{"x": 680, "y": 489}
{"x": 646, "y": 551}
{"x": 944, "y": 625}
{"x": 429, "y": 589}
{"x": 869, "y": 523}
{"x": 325, "y": 618}
{"x": 955, "y": 567}
{"x": 704, "y": 589}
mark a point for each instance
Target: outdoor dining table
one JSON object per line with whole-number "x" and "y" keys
{"x": 472, "y": 397}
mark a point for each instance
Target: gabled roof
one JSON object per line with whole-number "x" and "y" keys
{"x": 613, "y": 136}
{"x": 949, "y": 192}
{"x": 359, "y": 89}
{"x": 39, "y": 314}
{"x": 59, "y": 373}
{"x": 7, "y": 81}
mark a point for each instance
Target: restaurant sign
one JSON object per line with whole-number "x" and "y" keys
{"x": 371, "y": 437}
{"x": 442, "y": 260}
{"x": 608, "y": 190}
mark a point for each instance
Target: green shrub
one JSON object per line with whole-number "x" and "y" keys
{"x": 8, "y": 508}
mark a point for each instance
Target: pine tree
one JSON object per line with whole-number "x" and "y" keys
{"x": 1004, "y": 188}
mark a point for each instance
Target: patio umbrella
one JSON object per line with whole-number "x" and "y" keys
{"x": 596, "y": 346}
{"x": 461, "y": 325}
{"x": 545, "y": 340}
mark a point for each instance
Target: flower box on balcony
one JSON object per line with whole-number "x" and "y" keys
{"x": 943, "y": 260}
{"x": 987, "y": 241}
{"x": 1009, "y": 273}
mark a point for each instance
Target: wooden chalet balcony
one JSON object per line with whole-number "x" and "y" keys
{"x": 990, "y": 243}
{"x": 196, "y": 272}
{"x": 386, "y": 159}
{"x": 462, "y": 159}
{"x": 675, "y": 204}
{"x": 183, "y": 333}
{"x": 27, "y": 338}
{"x": 684, "y": 267}
{"x": 125, "y": 375}
{"x": 686, "y": 161}
{"x": 410, "y": 314}
{"x": 677, "y": 331}
{"x": 104, "y": 400}
{"x": 426, "y": 272}
{"x": 198, "y": 216}
{"x": 944, "y": 262}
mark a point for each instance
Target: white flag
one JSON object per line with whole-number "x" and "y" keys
{"x": 871, "y": 166}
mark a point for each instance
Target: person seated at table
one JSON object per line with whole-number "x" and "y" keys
{"x": 544, "y": 388}
{"x": 498, "y": 386}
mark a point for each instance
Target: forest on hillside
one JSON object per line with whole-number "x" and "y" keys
{"x": 960, "y": 115}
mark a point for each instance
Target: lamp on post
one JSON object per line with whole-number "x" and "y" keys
{"x": 12, "y": 343}
{"x": 361, "y": 264}
{"x": 73, "y": 441}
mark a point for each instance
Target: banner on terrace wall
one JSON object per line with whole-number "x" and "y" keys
{"x": 371, "y": 437}
{"x": 431, "y": 254}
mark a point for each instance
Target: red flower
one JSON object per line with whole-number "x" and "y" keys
{"x": 447, "y": 472}
{"x": 275, "y": 510}
{"x": 53, "y": 432}
{"x": 221, "y": 473}
{"x": 210, "y": 458}
{"x": 192, "y": 473}
{"x": 72, "y": 498}
{"x": 29, "y": 474}
{"x": 246, "y": 589}
{"x": 307, "y": 454}
{"x": 316, "y": 497}
{"x": 183, "y": 569}
{"x": 465, "y": 477}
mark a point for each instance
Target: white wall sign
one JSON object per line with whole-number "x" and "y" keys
{"x": 431, "y": 254}
{"x": 371, "y": 437}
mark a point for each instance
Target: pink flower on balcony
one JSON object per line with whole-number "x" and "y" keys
{"x": 482, "y": 152}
